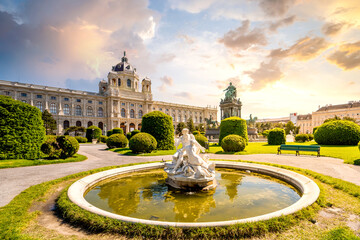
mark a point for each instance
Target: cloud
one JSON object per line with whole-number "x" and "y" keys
{"x": 275, "y": 8}
{"x": 304, "y": 49}
{"x": 242, "y": 38}
{"x": 331, "y": 29}
{"x": 266, "y": 74}
{"x": 190, "y": 5}
{"x": 166, "y": 81}
{"x": 186, "y": 95}
{"x": 187, "y": 38}
{"x": 167, "y": 57}
{"x": 347, "y": 56}
{"x": 282, "y": 23}
{"x": 58, "y": 40}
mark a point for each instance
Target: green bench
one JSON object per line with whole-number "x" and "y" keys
{"x": 297, "y": 148}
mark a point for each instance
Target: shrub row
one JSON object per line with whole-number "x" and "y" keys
{"x": 338, "y": 132}
{"x": 60, "y": 147}
{"x": 303, "y": 137}
{"x": 81, "y": 139}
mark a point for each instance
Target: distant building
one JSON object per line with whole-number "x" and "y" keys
{"x": 122, "y": 100}
{"x": 283, "y": 120}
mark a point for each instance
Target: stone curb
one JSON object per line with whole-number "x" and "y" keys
{"x": 308, "y": 188}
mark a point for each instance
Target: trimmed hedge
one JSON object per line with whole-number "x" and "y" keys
{"x": 311, "y": 136}
{"x": 134, "y": 132}
{"x": 117, "y": 141}
{"x": 21, "y": 130}
{"x": 128, "y": 135}
{"x": 233, "y": 143}
{"x": 159, "y": 125}
{"x": 338, "y": 132}
{"x": 81, "y": 139}
{"x": 195, "y": 133}
{"x": 103, "y": 139}
{"x": 276, "y": 136}
{"x": 60, "y": 147}
{"x": 117, "y": 131}
{"x": 109, "y": 133}
{"x": 314, "y": 129}
{"x": 142, "y": 142}
{"x": 201, "y": 139}
{"x": 231, "y": 126}
{"x": 302, "y": 138}
{"x": 93, "y": 132}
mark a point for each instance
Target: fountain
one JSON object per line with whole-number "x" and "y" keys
{"x": 188, "y": 170}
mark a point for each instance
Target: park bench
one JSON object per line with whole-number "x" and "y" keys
{"x": 297, "y": 148}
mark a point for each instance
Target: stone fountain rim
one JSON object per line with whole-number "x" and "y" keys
{"x": 308, "y": 188}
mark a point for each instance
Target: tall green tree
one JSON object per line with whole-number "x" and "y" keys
{"x": 289, "y": 126}
{"x": 190, "y": 125}
{"x": 78, "y": 130}
{"x": 49, "y": 122}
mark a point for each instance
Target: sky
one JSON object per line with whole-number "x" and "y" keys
{"x": 283, "y": 56}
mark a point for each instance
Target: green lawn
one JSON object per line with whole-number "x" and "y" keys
{"x": 127, "y": 151}
{"x": 350, "y": 154}
{"x": 13, "y": 163}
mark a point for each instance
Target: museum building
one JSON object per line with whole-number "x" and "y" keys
{"x": 122, "y": 100}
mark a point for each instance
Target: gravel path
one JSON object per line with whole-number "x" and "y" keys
{"x": 15, "y": 180}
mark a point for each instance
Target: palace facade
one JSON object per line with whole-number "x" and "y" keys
{"x": 122, "y": 100}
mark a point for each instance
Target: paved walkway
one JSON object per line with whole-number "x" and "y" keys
{"x": 15, "y": 180}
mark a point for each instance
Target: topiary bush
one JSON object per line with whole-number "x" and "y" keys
{"x": 134, "y": 132}
{"x": 60, "y": 147}
{"x": 302, "y": 138}
{"x": 201, "y": 139}
{"x": 233, "y": 143}
{"x": 233, "y": 125}
{"x": 103, "y": 138}
{"x": 311, "y": 136}
{"x": 128, "y": 135}
{"x": 142, "y": 142}
{"x": 93, "y": 132}
{"x": 265, "y": 133}
{"x": 117, "y": 131}
{"x": 69, "y": 146}
{"x": 195, "y": 133}
{"x": 314, "y": 129}
{"x": 202, "y": 133}
{"x": 81, "y": 139}
{"x": 276, "y": 136}
{"x": 117, "y": 141}
{"x": 109, "y": 133}
{"x": 159, "y": 125}
{"x": 22, "y": 130}
{"x": 338, "y": 132}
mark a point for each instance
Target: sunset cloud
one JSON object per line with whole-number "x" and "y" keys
{"x": 275, "y": 8}
{"x": 266, "y": 74}
{"x": 166, "y": 81}
{"x": 282, "y": 23}
{"x": 347, "y": 56}
{"x": 243, "y": 38}
{"x": 331, "y": 29}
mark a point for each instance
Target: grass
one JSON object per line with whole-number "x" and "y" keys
{"x": 350, "y": 154}
{"x": 128, "y": 152}
{"x": 13, "y": 163}
{"x": 16, "y": 217}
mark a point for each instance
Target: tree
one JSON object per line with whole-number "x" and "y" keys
{"x": 289, "y": 126}
{"x": 49, "y": 122}
{"x": 180, "y": 127}
{"x": 76, "y": 129}
{"x": 332, "y": 119}
{"x": 190, "y": 125}
{"x": 349, "y": 119}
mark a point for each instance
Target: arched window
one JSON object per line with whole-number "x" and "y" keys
{"x": 140, "y": 114}
{"x": 101, "y": 125}
{"x": 39, "y": 105}
{"x": 24, "y": 101}
{"x": 200, "y": 119}
{"x": 66, "y": 124}
{"x": 123, "y": 127}
{"x": 53, "y": 109}
{"x": 195, "y": 119}
{"x": 179, "y": 118}
{"x": 119, "y": 82}
{"x": 66, "y": 109}
{"x": 139, "y": 126}
{"x": 132, "y": 113}
{"x": 173, "y": 116}
{"x": 78, "y": 110}
{"x": 89, "y": 111}
{"x": 90, "y": 123}
{"x": 100, "y": 112}
{"x": 128, "y": 83}
{"x": 78, "y": 123}
{"x": 185, "y": 118}
{"x": 131, "y": 127}
{"x": 123, "y": 112}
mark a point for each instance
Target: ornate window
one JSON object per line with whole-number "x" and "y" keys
{"x": 140, "y": 114}
{"x": 90, "y": 123}
{"x": 123, "y": 112}
{"x": 132, "y": 113}
{"x": 24, "y": 101}
{"x": 100, "y": 112}
{"x": 195, "y": 119}
{"x": 53, "y": 109}
{"x": 179, "y": 118}
{"x": 66, "y": 124}
{"x": 101, "y": 125}
{"x": 78, "y": 110}
{"x": 78, "y": 123}
{"x": 200, "y": 119}
{"x": 89, "y": 111}
{"x": 128, "y": 83}
{"x": 66, "y": 109}
{"x": 173, "y": 116}
{"x": 39, "y": 105}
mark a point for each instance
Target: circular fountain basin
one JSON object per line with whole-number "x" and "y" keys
{"x": 169, "y": 207}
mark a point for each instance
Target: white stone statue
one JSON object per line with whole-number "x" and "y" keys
{"x": 189, "y": 169}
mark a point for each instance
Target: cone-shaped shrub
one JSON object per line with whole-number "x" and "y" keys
{"x": 233, "y": 125}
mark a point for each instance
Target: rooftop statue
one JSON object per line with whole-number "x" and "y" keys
{"x": 230, "y": 93}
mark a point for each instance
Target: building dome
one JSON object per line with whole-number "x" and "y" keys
{"x": 123, "y": 65}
